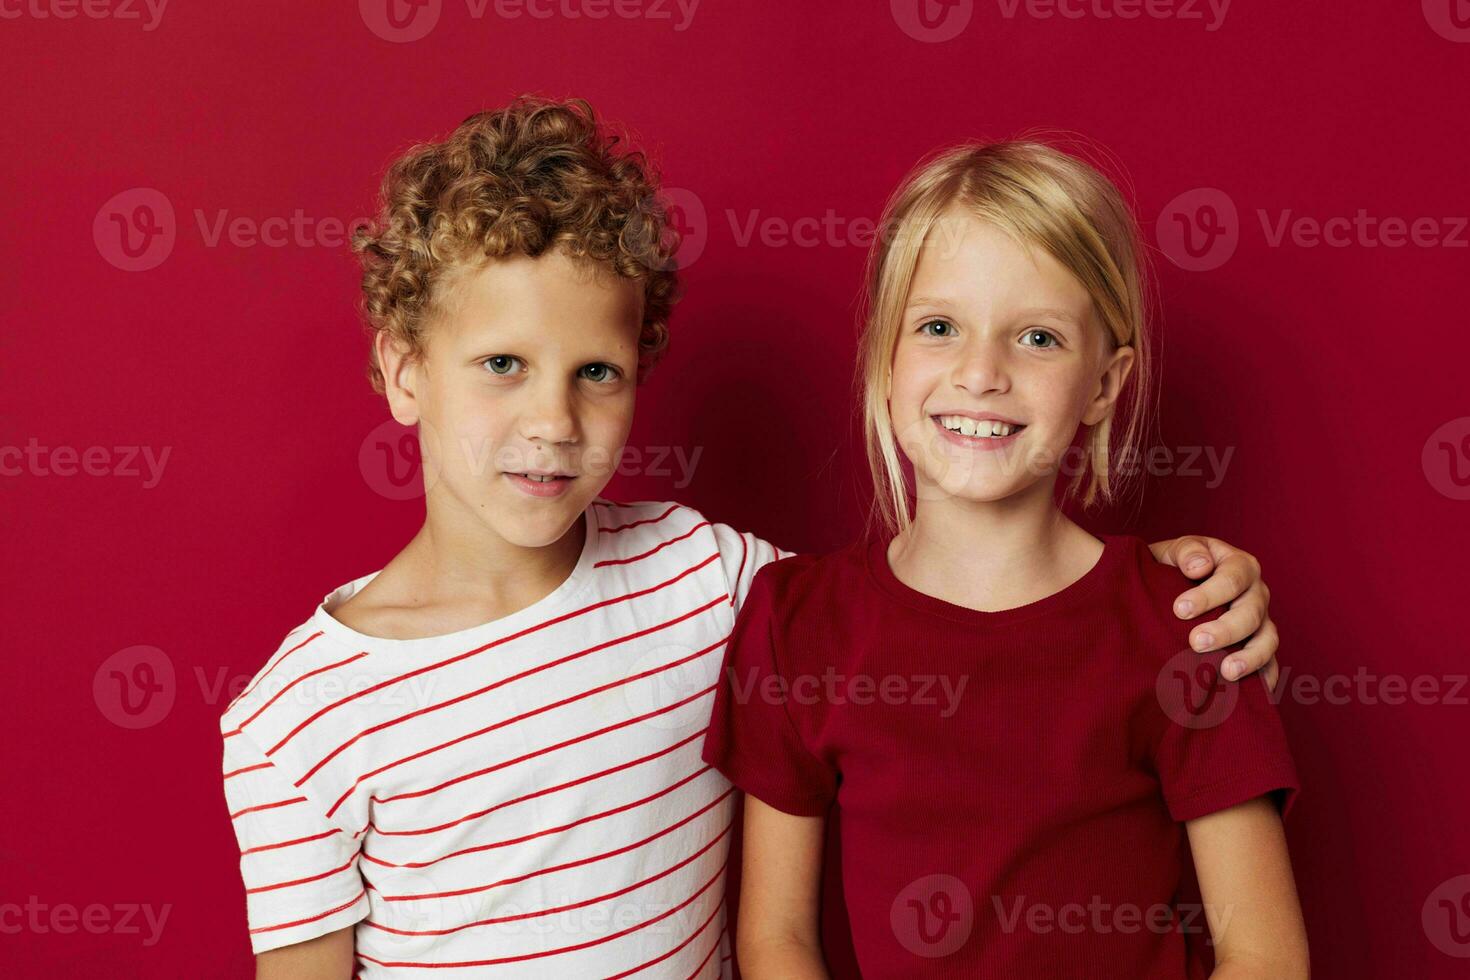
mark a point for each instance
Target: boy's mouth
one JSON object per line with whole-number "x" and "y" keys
{"x": 991, "y": 429}
{"x": 541, "y": 484}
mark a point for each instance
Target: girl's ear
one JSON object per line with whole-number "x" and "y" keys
{"x": 401, "y": 375}
{"x": 1109, "y": 386}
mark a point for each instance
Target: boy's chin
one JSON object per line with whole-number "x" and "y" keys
{"x": 536, "y": 523}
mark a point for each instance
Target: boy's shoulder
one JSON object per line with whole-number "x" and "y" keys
{"x": 644, "y": 518}
{"x": 308, "y": 650}
{"x": 654, "y": 532}
{"x": 678, "y": 536}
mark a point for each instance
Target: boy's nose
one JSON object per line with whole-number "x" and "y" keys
{"x": 550, "y": 417}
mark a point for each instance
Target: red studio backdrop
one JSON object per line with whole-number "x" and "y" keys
{"x": 192, "y": 456}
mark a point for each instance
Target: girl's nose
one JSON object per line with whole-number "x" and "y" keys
{"x": 982, "y": 369}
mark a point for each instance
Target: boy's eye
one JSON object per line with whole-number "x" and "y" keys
{"x": 600, "y": 373}
{"x": 937, "y": 328}
{"x": 1039, "y": 338}
{"x": 502, "y": 363}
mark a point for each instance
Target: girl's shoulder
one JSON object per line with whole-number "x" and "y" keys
{"x": 797, "y": 574}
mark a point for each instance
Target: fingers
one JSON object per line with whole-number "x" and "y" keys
{"x": 1234, "y": 575}
{"x": 1190, "y": 554}
{"x": 1258, "y": 654}
{"x": 1245, "y": 616}
{"x": 1234, "y": 581}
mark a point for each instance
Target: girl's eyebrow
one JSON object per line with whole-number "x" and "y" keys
{"x": 925, "y": 301}
{"x": 1040, "y": 313}
{"x": 1062, "y": 315}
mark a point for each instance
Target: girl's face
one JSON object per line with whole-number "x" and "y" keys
{"x": 999, "y": 360}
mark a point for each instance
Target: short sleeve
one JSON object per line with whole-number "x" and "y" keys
{"x": 742, "y": 554}
{"x": 300, "y": 870}
{"x": 1221, "y": 744}
{"x": 753, "y": 737}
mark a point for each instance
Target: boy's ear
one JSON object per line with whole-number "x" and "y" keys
{"x": 1109, "y": 385}
{"x": 401, "y": 374}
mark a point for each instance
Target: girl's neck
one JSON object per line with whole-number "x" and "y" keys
{"x": 992, "y": 555}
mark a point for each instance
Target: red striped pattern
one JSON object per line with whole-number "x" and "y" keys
{"x": 456, "y": 800}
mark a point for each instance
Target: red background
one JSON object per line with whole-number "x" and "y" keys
{"x": 1326, "y": 368}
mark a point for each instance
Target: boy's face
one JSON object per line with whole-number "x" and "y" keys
{"x": 524, "y": 391}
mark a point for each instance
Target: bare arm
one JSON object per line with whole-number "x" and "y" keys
{"x": 780, "y": 888}
{"x": 328, "y": 957}
{"x": 1250, "y": 896}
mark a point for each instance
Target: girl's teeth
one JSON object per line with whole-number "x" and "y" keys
{"x": 982, "y": 428}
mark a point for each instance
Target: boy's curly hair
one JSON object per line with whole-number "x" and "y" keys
{"x": 524, "y": 179}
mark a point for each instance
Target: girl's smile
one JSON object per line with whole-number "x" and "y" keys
{"x": 981, "y": 432}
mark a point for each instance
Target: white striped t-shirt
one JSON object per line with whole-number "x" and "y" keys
{"x": 524, "y": 798}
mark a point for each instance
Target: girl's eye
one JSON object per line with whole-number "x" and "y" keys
{"x": 939, "y": 329}
{"x": 1039, "y": 338}
{"x": 502, "y": 363}
{"x": 600, "y": 373}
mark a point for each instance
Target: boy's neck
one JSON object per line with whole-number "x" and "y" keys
{"x": 467, "y": 558}
{"x": 992, "y": 555}
{"x": 456, "y": 574}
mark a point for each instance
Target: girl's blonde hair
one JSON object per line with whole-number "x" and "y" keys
{"x": 1045, "y": 198}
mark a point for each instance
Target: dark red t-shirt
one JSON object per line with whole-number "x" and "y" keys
{"x": 1012, "y": 785}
